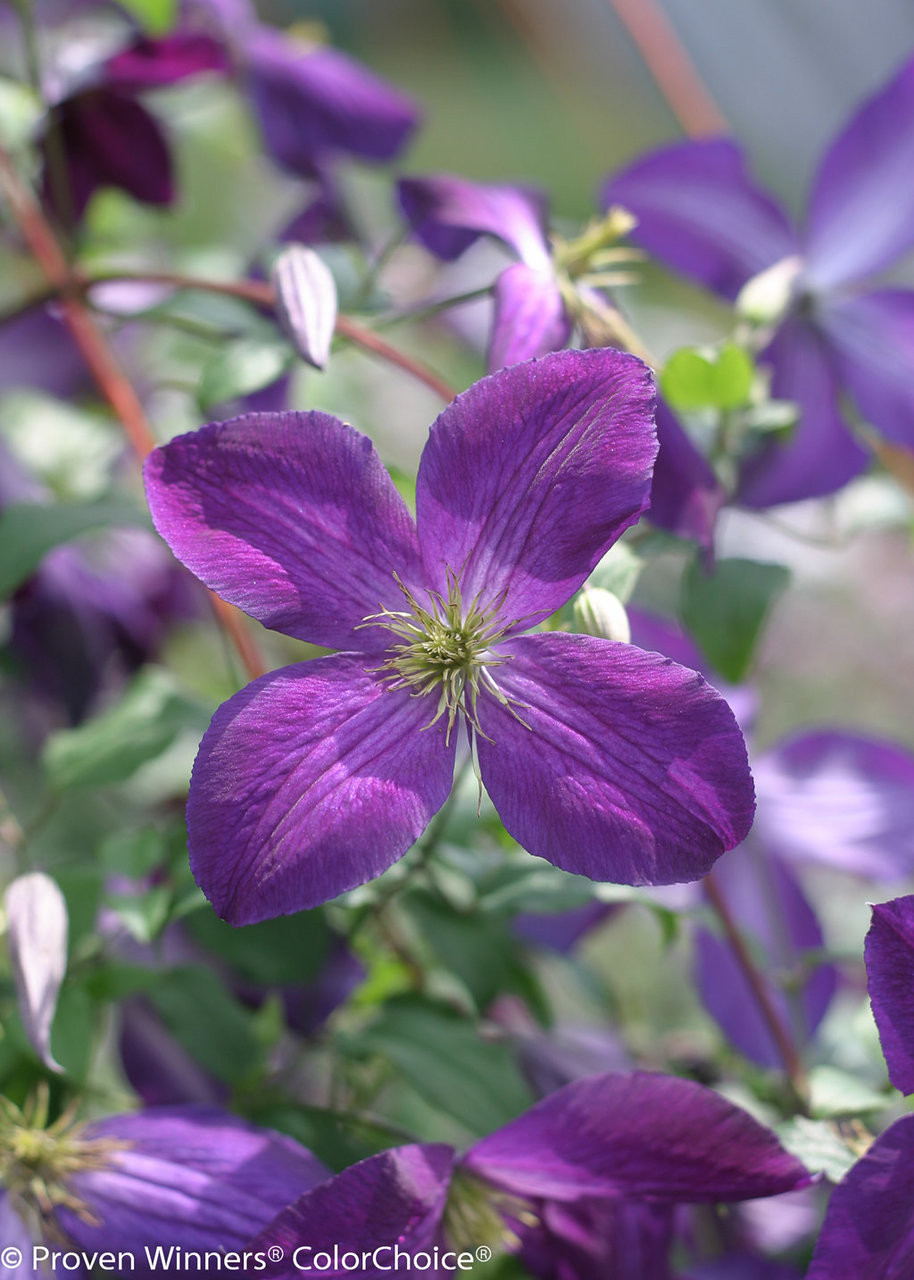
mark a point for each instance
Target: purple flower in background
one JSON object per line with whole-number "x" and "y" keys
{"x": 600, "y": 1164}
{"x": 537, "y": 304}
{"x": 610, "y": 762}
{"x": 699, "y": 211}
{"x": 172, "y": 1177}
{"x": 868, "y": 1233}
{"x": 106, "y": 137}
{"x": 313, "y": 103}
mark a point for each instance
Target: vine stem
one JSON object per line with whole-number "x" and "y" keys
{"x": 760, "y": 990}
{"x": 670, "y": 66}
{"x": 258, "y": 292}
{"x": 103, "y": 365}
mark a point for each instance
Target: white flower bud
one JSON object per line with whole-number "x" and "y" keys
{"x": 306, "y": 302}
{"x": 37, "y": 922}
{"x": 598, "y": 612}
{"x": 765, "y": 298}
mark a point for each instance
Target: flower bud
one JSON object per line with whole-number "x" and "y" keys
{"x": 306, "y": 302}
{"x": 597, "y": 612}
{"x": 38, "y": 926}
{"x": 765, "y": 298}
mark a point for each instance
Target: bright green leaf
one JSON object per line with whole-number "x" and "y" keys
{"x": 724, "y": 610}
{"x": 29, "y": 530}
{"x": 156, "y": 16}
{"x": 708, "y": 379}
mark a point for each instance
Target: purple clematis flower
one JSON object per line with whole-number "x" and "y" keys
{"x": 106, "y": 135}
{"x": 699, "y": 211}
{"x": 607, "y": 761}
{"x": 168, "y": 1178}
{"x": 597, "y": 1165}
{"x": 538, "y": 303}
{"x": 868, "y": 1233}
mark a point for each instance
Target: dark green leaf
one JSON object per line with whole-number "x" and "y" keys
{"x": 214, "y": 1029}
{"x": 290, "y": 949}
{"x": 445, "y": 1059}
{"x": 29, "y": 530}
{"x": 724, "y": 610}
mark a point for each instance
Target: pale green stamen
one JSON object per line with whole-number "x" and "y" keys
{"x": 445, "y": 648}
{"x": 476, "y": 1213}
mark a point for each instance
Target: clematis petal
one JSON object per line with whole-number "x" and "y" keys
{"x": 149, "y": 63}
{"x": 290, "y": 516}
{"x": 530, "y": 317}
{"x": 312, "y": 780}
{"x": 447, "y": 214}
{"x": 192, "y": 1177}
{"x": 861, "y": 213}
{"x": 772, "y": 912}
{"x": 623, "y": 766}
{"x": 840, "y": 799}
{"x": 699, "y": 211}
{"x": 637, "y": 1135}
{"x": 313, "y": 100}
{"x": 685, "y": 493}
{"x": 890, "y": 969}
{"x": 16, "y": 1236}
{"x": 868, "y": 1233}
{"x": 600, "y": 1238}
{"x": 822, "y": 455}
{"x": 872, "y": 339}
{"x": 530, "y": 475}
{"x": 396, "y": 1197}
{"x": 109, "y": 140}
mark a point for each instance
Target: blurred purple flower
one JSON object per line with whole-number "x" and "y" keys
{"x": 105, "y": 135}
{"x": 607, "y": 761}
{"x": 600, "y": 1163}
{"x": 536, "y": 312}
{"x": 699, "y": 211}
{"x": 182, "y": 1177}
{"x": 868, "y": 1233}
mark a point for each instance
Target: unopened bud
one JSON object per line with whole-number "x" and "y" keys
{"x": 37, "y": 920}
{"x": 765, "y": 298}
{"x": 597, "y": 612}
{"x": 306, "y": 302}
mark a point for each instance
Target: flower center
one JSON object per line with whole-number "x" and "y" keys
{"x": 476, "y": 1213}
{"x": 36, "y": 1163}
{"x": 445, "y": 648}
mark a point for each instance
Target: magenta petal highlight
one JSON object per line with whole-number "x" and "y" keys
{"x": 291, "y": 517}
{"x": 530, "y": 475}
{"x": 622, "y": 766}
{"x": 310, "y": 781}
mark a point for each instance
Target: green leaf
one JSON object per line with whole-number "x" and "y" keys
{"x": 212, "y": 1027}
{"x": 155, "y": 16}
{"x": 475, "y": 947}
{"x": 29, "y": 530}
{"x": 819, "y": 1145}
{"x": 724, "y": 610}
{"x": 115, "y": 744}
{"x": 445, "y": 1059}
{"x": 337, "y": 1140}
{"x": 708, "y": 379}
{"x": 833, "y": 1092}
{"x": 290, "y": 949}
{"x": 242, "y": 367}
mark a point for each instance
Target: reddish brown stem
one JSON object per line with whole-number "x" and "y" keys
{"x": 670, "y": 66}
{"x": 760, "y": 991}
{"x": 101, "y": 361}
